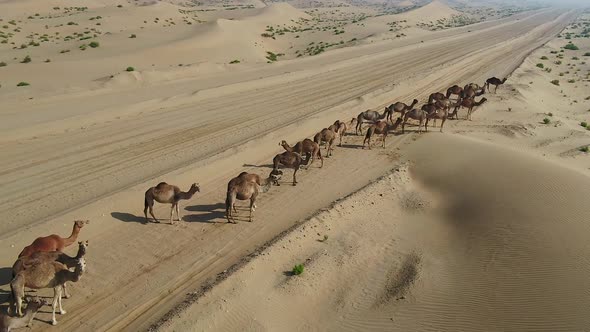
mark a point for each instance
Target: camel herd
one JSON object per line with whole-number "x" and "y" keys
{"x": 44, "y": 265}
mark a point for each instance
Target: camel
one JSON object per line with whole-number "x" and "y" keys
{"x": 44, "y": 275}
{"x": 474, "y": 86}
{"x": 454, "y": 90}
{"x": 494, "y": 81}
{"x": 399, "y": 107}
{"x": 341, "y": 129}
{"x": 470, "y": 104}
{"x": 368, "y": 116}
{"x": 247, "y": 186}
{"x": 415, "y": 114}
{"x": 380, "y": 128}
{"x": 436, "y": 96}
{"x": 472, "y": 90}
{"x": 289, "y": 160}
{"x": 54, "y": 242}
{"x": 166, "y": 193}
{"x": 442, "y": 114}
{"x": 328, "y": 136}
{"x": 7, "y": 323}
{"x": 50, "y": 256}
{"x": 305, "y": 147}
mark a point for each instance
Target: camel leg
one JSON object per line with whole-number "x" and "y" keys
{"x": 177, "y": 212}
{"x": 19, "y": 306}
{"x": 321, "y": 158}
{"x": 295, "y": 176}
{"x": 171, "y": 212}
{"x": 420, "y": 126}
{"x": 442, "y": 123}
{"x": 426, "y": 125}
{"x": 404, "y": 126}
{"x": 252, "y": 205}
{"x": 54, "y": 305}
{"x": 152, "y": 214}
{"x": 66, "y": 294}
{"x": 61, "y": 310}
{"x": 384, "y": 137}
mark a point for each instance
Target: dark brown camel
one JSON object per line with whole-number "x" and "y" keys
{"x": 306, "y": 147}
{"x": 327, "y": 136}
{"x": 470, "y": 104}
{"x": 368, "y": 116}
{"x": 495, "y": 81}
{"x": 454, "y": 90}
{"x": 400, "y": 108}
{"x": 442, "y": 114}
{"x": 291, "y": 160}
{"x": 167, "y": 194}
{"x": 380, "y": 128}
{"x": 416, "y": 114}
{"x": 247, "y": 186}
{"x": 436, "y": 96}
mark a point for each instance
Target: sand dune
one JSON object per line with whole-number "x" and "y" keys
{"x": 431, "y": 12}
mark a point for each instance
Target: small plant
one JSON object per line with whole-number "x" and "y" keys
{"x": 546, "y": 121}
{"x": 555, "y": 82}
{"x": 550, "y": 114}
{"x": 27, "y": 59}
{"x": 584, "y": 149}
{"x": 571, "y": 81}
{"x": 544, "y": 58}
{"x": 234, "y": 61}
{"x": 23, "y": 84}
{"x": 587, "y": 54}
{"x": 133, "y": 36}
{"x": 540, "y": 65}
{"x": 297, "y": 269}
{"x": 130, "y": 69}
{"x": 47, "y": 60}
{"x": 584, "y": 124}
{"x": 94, "y": 44}
{"x": 571, "y": 47}
{"x": 3, "y": 64}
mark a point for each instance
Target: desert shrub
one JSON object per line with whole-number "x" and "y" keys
{"x": 550, "y": 114}
{"x": 575, "y": 58}
{"x": 234, "y": 61}
{"x": 83, "y": 47}
{"x": 548, "y": 69}
{"x": 27, "y": 59}
{"x": 571, "y": 81}
{"x": 558, "y": 62}
{"x": 584, "y": 149}
{"x": 587, "y": 54}
{"x": 94, "y": 44}
{"x": 72, "y": 23}
{"x": 270, "y": 56}
{"x": 540, "y": 65}
{"x": 64, "y": 51}
{"x": 546, "y": 121}
{"x": 3, "y": 64}
{"x": 584, "y": 124}
{"x": 297, "y": 269}
{"x": 133, "y": 36}
{"x": 130, "y": 69}
{"x": 571, "y": 47}
{"x": 47, "y": 60}
{"x": 544, "y": 58}
{"x": 23, "y": 84}
{"x": 555, "y": 82}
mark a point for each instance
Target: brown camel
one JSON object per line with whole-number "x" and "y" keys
{"x": 415, "y": 114}
{"x": 471, "y": 91}
{"x": 44, "y": 275}
{"x": 50, "y": 256}
{"x": 454, "y": 90}
{"x": 7, "y": 323}
{"x": 495, "y": 81}
{"x": 380, "y": 128}
{"x": 306, "y": 147}
{"x": 166, "y": 194}
{"x": 442, "y": 114}
{"x": 291, "y": 160}
{"x": 368, "y": 116}
{"x": 431, "y": 108}
{"x": 470, "y": 104}
{"x": 54, "y": 242}
{"x": 436, "y": 96}
{"x": 341, "y": 129}
{"x": 327, "y": 136}
{"x": 400, "y": 108}
{"x": 247, "y": 186}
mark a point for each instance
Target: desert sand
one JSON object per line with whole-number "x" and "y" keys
{"x": 478, "y": 228}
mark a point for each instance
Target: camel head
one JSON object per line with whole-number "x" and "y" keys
{"x": 195, "y": 188}
{"x": 275, "y": 175}
{"x": 414, "y": 102}
{"x": 283, "y": 143}
{"x": 504, "y": 80}
{"x": 81, "y": 223}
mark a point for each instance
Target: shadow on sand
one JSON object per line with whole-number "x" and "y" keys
{"x": 212, "y": 212}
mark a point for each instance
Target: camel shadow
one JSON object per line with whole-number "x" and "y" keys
{"x": 351, "y": 146}
{"x": 213, "y": 212}
{"x": 5, "y": 275}
{"x": 128, "y": 217}
{"x": 260, "y": 166}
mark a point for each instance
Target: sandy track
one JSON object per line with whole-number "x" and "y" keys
{"x": 140, "y": 271}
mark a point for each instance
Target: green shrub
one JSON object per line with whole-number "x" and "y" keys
{"x": 571, "y": 47}
{"x": 558, "y": 62}
{"x": 23, "y": 84}
{"x": 555, "y": 82}
{"x": 297, "y": 269}
{"x": 130, "y": 69}
{"x": 550, "y": 114}
{"x": 234, "y": 61}
{"x": 27, "y": 59}
{"x": 133, "y": 36}
{"x": 3, "y": 64}
{"x": 544, "y": 58}
{"x": 571, "y": 81}
{"x": 584, "y": 149}
{"x": 94, "y": 44}
{"x": 546, "y": 121}
{"x": 540, "y": 65}
{"x": 47, "y": 60}
{"x": 587, "y": 54}
{"x": 575, "y": 58}
{"x": 584, "y": 124}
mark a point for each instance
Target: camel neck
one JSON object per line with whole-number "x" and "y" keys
{"x": 186, "y": 195}
{"x": 74, "y": 236}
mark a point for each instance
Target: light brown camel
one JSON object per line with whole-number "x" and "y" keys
{"x": 328, "y": 136}
{"x": 247, "y": 186}
{"x": 380, "y": 128}
{"x": 166, "y": 194}
{"x": 50, "y": 256}
{"x": 368, "y": 116}
{"x": 470, "y": 104}
{"x": 53, "y": 242}
{"x": 470, "y": 91}
{"x": 436, "y": 96}
{"x": 306, "y": 147}
{"x": 291, "y": 160}
{"x": 400, "y": 108}
{"x": 495, "y": 81}
{"x": 44, "y": 275}
{"x": 7, "y": 323}
{"x": 415, "y": 114}
{"x": 442, "y": 114}
{"x": 341, "y": 129}
{"x": 454, "y": 90}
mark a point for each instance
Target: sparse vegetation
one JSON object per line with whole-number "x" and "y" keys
{"x": 571, "y": 47}
{"x": 555, "y": 82}
{"x": 23, "y": 84}
{"x": 94, "y": 44}
{"x": 130, "y": 69}
{"x": 27, "y": 59}
{"x": 544, "y": 58}
{"x": 3, "y": 64}
{"x": 234, "y": 61}
{"x": 298, "y": 269}
{"x": 550, "y": 114}
{"x": 584, "y": 149}
{"x": 540, "y": 65}
{"x": 546, "y": 121}
{"x": 133, "y": 36}
{"x": 584, "y": 124}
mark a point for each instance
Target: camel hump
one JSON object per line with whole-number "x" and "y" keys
{"x": 161, "y": 184}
